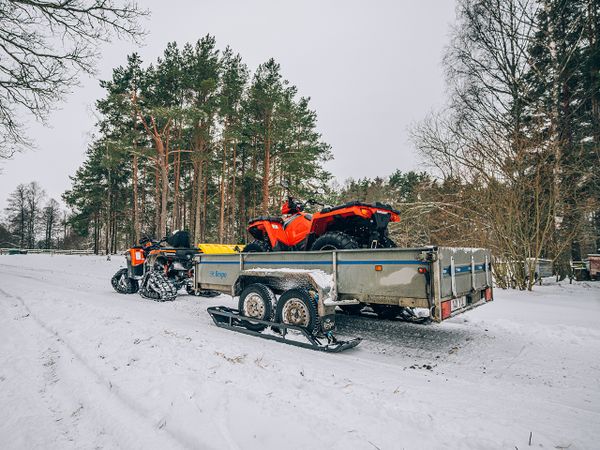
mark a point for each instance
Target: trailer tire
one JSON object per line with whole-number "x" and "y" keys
{"x": 298, "y": 307}
{"x": 334, "y": 240}
{"x": 257, "y": 246}
{"x": 123, "y": 284}
{"x": 256, "y": 301}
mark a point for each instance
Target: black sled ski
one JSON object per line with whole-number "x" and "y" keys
{"x": 231, "y": 319}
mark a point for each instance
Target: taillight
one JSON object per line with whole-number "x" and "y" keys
{"x": 488, "y": 294}
{"x": 446, "y": 309}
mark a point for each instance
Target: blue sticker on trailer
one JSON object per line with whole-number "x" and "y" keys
{"x": 463, "y": 269}
{"x": 323, "y": 263}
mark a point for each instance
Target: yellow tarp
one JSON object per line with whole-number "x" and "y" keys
{"x": 220, "y": 248}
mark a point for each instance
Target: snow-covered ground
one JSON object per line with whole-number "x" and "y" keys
{"x": 84, "y": 367}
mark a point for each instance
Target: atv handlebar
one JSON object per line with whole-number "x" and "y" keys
{"x": 301, "y": 205}
{"x": 312, "y": 201}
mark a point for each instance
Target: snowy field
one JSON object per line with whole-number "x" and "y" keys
{"x": 84, "y": 367}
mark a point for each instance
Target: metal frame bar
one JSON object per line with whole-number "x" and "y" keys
{"x": 231, "y": 319}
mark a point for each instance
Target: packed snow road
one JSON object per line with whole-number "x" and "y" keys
{"x": 84, "y": 367}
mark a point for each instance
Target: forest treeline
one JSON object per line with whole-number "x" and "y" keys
{"x": 517, "y": 149}
{"x": 195, "y": 140}
{"x": 35, "y": 221}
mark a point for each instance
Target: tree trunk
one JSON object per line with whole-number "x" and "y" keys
{"x": 267, "y": 164}
{"x": 242, "y": 220}
{"x": 204, "y": 205}
{"x": 198, "y": 200}
{"x": 232, "y": 198}
{"x": 222, "y": 189}
{"x": 156, "y": 201}
{"x": 136, "y": 213}
{"x": 176, "y": 173}
{"x": 163, "y": 155}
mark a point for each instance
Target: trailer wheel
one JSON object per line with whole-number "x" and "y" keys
{"x": 123, "y": 284}
{"x": 298, "y": 307}
{"x": 256, "y": 301}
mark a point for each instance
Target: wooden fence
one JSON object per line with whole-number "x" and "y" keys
{"x": 49, "y": 251}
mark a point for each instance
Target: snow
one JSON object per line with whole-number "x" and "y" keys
{"x": 84, "y": 367}
{"x": 324, "y": 280}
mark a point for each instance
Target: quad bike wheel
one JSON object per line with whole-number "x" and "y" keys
{"x": 123, "y": 284}
{"x": 298, "y": 307}
{"x": 257, "y": 246}
{"x": 156, "y": 286}
{"x": 256, "y": 301}
{"x": 334, "y": 240}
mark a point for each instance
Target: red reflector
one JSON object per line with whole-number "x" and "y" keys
{"x": 488, "y": 294}
{"x": 446, "y": 309}
{"x": 378, "y": 268}
{"x": 422, "y": 270}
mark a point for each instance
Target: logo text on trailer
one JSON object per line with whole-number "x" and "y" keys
{"x": 217, "y": 274}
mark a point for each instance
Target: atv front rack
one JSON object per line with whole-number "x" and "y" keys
{"x": 231, "y": 319}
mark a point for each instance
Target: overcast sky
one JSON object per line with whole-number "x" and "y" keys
{"x": 371, "y": 68}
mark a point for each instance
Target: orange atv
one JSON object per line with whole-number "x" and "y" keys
{"x": 352, "y": 225}
{"x": 159, "y": 269}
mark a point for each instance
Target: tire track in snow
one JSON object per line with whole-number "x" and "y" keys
{"x": 129, "y": 414}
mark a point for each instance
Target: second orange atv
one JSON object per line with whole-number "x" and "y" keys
{"x": 352, "y": 225}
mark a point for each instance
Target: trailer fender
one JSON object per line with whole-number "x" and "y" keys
{"x": 281, "y": 280}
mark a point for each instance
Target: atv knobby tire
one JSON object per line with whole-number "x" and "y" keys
{"x": 298, "y": 307}
{"x": 256, "y": 301}
{"x": 257, "y": 246}
{"x": 123, "y": 284}
{"x": 156, "y": 286}
{"x": 334, "y": 240}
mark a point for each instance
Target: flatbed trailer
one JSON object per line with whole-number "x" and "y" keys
{"x": 445, "y": 280}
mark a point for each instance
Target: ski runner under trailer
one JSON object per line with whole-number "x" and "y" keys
{"x": 445, "y": 280}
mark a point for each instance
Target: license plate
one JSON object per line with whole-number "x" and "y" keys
{"x": 458, "y": 303}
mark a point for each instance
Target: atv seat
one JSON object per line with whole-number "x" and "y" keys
{"x": 356, "y": 203}
{"x": 187, "y": 253}
{"x": 267, "y": 218}
{"x": 181, "y": 239}
{"x": 294, "y": 217}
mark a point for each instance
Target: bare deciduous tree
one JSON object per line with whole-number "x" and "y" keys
{"x": 43, "y": 46}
